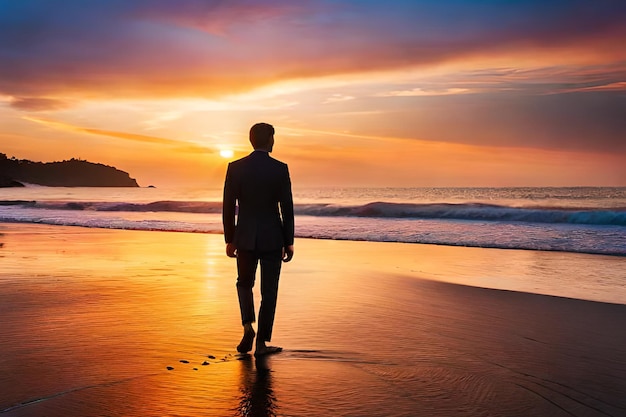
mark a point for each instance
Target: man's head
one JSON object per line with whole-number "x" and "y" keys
{"x": 262, "y": 137}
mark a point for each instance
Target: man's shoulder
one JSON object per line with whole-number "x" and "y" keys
{"x": 258, "y": 158}
{"x": 240, "y": 161}
{"x": 277, "y": 162}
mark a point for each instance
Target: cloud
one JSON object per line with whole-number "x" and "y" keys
{"x": 337, "y": 98}
{"x": 537, "y": 80}
{"x": 194, "y": 48}
{"x": 616, "y": 86}
{"x": 160, "y": 119}
{"x": 592, "y": 121}
{"x": 420, "y": 92}
{"x": 38, "y": 104}
{"x": 215, "y": 17}
{"x": 179, "y": 145}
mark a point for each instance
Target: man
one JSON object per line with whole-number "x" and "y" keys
{"x": 262, "y": 233}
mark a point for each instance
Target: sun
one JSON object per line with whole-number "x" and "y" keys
{"x": 226, "y": 153}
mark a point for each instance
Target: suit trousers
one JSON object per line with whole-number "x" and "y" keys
{"x": 247, "y": 262}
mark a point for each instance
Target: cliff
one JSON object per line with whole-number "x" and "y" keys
{"x": 72, "y": 173}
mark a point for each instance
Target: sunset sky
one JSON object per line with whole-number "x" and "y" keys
{"x": 361, "y": 92}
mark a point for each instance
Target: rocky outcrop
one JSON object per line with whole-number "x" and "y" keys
{"x": 72, "y": 173}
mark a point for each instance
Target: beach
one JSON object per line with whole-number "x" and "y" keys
{"x": 99, "y": 322}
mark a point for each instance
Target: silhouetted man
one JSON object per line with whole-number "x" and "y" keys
{"x": 261, "y": 231}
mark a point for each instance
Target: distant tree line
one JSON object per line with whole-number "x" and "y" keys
{"x": 72, "y": 173}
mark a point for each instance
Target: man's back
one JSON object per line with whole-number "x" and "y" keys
{"x": 260, "y": 184}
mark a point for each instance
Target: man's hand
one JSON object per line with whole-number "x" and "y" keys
{"x": 231, "y": 250}
{"x": 287, "y": 253}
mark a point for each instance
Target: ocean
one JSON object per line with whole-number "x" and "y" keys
{"x": 574, "y": 219}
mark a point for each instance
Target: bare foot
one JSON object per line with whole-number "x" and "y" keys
{"x": 245, "y": 345}
{"x": 267, "y": 350}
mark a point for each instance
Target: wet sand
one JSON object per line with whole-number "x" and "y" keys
{"x": 126, "y": 323}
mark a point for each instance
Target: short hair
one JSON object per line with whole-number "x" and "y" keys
{"x": 261, "y": 135}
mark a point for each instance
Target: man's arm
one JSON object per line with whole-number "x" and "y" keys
{"x": 229, "y": 202}
{"x": 286, "y": 209}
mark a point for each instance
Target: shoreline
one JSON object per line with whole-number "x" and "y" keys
{"x": 481, "y": 267}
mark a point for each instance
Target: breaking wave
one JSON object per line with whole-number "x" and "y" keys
{"x": 472, "y": 212}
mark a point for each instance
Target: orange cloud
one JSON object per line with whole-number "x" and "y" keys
{"x": 179, "y": 145}
{"x": 38, "y": 103}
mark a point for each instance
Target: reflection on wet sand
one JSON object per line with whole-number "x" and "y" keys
{"x": 257, "y": 396}
{"x": 93, "y": 318}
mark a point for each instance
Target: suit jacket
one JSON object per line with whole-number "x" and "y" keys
{"x": 261, "y": 187}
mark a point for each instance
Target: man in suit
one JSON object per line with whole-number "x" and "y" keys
{"x": 260, "y": 232}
